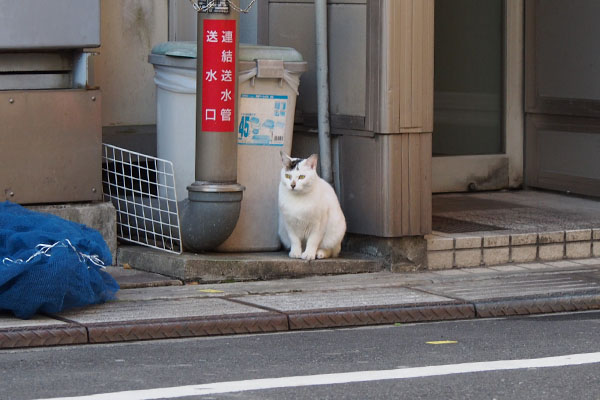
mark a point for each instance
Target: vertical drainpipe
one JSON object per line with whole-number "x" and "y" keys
{"x": 211, "y": 211}
{"x": 323, "y": 90}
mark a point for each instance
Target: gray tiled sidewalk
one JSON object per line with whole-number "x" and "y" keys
{"x": 155, "y": 307}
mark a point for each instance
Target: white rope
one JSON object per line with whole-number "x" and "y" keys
{"x": 210, "y": 5}
{"x": 44, "y": 250}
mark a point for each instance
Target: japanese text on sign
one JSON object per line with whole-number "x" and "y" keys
{"x": 218, "y": 74}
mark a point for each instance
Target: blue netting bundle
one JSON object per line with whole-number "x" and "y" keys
{"x": 48, "y": 264}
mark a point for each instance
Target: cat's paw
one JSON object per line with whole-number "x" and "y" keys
{"x": 295, "y": 253}
{"x": 308, "y": 256}
{"x": 323, "y": 253}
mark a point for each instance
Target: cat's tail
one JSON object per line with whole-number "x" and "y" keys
{"x": 336, "y": 250}
{"x": 329, "y": 253}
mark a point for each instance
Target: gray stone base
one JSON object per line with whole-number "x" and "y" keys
{"x": 98, "y": 215}
{"x": 227, "y": 267}
{"x": 402, "y": 254}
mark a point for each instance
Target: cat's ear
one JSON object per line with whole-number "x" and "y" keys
{"x": 312, "y": 161}
{"x": 286, "y": 160}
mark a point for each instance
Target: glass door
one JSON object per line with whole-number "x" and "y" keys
{"x": 470, "y": 149}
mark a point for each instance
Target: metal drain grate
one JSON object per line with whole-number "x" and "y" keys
{"x": 451, "y": 225}
{"x": 142, "y": 189}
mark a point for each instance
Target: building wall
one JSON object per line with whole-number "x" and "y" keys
{"x": 129, "y": 30}
{"x": 183, "y": 18}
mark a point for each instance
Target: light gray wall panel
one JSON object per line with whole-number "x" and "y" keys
{"x": 562, "y": 153}
{"x": 569, "y": 152}
{"x": 568, "y": 59}
{"x": 292, "y": 24}
{"x": 348, "y": 58}
{"x": 42, "y": 24}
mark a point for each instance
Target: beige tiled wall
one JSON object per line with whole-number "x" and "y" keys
{"x": 459, "y": 251}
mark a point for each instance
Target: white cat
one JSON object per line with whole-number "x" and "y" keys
{"x": 309, "y": 211}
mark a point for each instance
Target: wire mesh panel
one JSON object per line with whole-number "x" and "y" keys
{"x": 142, "y": 189}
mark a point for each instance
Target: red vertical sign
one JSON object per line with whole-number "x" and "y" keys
{"x": 218, "y": 74}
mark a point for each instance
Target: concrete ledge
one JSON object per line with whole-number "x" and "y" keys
{"x": 101, "y": 216}
{"x": 225, "y": 267}
{"x": 131, "y": 279}
{"x": 400, "y": 254}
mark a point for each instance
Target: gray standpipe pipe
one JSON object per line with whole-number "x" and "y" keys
{"x": 323, "y": 90}
{"x": 212, "y": 209}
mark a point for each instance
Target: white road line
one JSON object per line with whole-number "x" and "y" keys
{"x": 347, "y": 377}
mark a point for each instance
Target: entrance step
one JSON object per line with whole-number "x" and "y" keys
{"x": 456, "y": 250}
{"x": 231, "y": 267}
{"x": 520, "y": 226}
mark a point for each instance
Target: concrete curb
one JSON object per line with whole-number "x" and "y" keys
{"x": 189, "y": 327}
{"x": 336, "y": 318}
{"x": 109, "y": 332}
{"x": 375, "y": 299}
{"x": 43, "y": 336}
{"x": 544, "y": 305}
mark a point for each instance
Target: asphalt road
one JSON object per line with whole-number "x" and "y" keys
{"x": 394, "y": 354}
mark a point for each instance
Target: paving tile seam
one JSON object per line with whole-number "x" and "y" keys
{"x": 495, "y": 274}
{"x": 254, "y": 305}
{"x": 503, "y": 289}
{"x": 500, "y": 295}
{"x": 579, "y": 275}
{"x": 440, "y": 293}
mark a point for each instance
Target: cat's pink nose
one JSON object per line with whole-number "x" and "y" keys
{"x": 293, "y": 184}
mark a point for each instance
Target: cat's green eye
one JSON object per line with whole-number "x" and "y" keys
{"x": 301, "y": 177}
{"x": 288, "y": 176}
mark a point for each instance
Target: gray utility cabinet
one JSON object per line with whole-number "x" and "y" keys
{"x": 51, "y": 127}
{"x": 381, "y": 91}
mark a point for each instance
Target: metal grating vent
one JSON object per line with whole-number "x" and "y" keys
{"x": 142, "y": 189}
{"x": 451, "y": 225}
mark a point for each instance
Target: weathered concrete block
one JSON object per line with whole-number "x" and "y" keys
{"x": 435, "y": 242}
{"x": 518, "y": 239}
{"x": 101, "y": 216}
{"x": 579, "y": 249}
{"x": 549, "y": 252}
{"x": 440, "y": 259}
{"x": 495, "y": 256}
{"x": 468, "y": 258}
{"x": 467, "y": 242}
{"x": 551, "y": 237}
{"x": 521, "y": 254}
{"x": 596, "y": 249}
{"x": 223, "y": 267}
{"x": 496, "y": 241}
{"x": 578, "y": 235}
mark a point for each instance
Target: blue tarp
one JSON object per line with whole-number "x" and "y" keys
{"x": 48, "y": 264}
